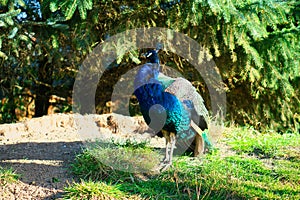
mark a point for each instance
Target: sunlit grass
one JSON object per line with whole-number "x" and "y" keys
{"x": 107, "y": 160}
{"x": 7, "y": 176}
{"x": 273, "y": 173}
{"x": 97, "y": 190}
{"x": 264, "y": 145}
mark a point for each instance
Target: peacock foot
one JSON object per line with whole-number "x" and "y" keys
{"x": 165, "y": 166}
{"x": 166, "y": 160}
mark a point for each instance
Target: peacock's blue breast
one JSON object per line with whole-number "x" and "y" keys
{"x": 178, "y": 117}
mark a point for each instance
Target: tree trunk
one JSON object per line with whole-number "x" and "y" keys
{"x": 43, "y": 90}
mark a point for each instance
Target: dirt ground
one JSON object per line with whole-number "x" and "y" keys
{"x": 41, "y": 150}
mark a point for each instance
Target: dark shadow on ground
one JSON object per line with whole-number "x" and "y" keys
{"x": 42, "y": 164}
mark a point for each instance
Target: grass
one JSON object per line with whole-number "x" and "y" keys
{"x": 263, "y": 166}
{"x": 7, "y": 176}
{"x": 97, "y": 190}
{"x": 268, "y": 145}
{"x": 103, "y": 160}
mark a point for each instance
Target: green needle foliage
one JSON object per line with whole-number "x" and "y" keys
{"x": 69, "y": 7}
{"x": 255, "y": 45}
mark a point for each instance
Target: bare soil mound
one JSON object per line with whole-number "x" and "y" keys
{"x": 41, "y": 149}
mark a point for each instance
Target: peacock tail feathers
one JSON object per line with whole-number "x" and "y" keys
{"x": 207, "y": 142}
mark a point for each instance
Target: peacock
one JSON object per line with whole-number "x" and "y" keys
{"x": 172, "y": 107}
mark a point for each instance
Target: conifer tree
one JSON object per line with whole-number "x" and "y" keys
{"x": 255, "y": 45}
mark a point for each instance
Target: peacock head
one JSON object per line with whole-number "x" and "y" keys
{"x": 152, "y": 56}
{"x": 148, "y": 73}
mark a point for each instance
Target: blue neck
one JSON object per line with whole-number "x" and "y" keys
{"x": 148, "y": 73}
{"x": 154, "y": 59}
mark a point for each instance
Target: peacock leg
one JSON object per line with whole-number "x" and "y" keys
{"x": 172, "y": 142}
{"x": 167, "y": 156}
{"x": 169, "y": 152}
{"x": 199, "y": 146}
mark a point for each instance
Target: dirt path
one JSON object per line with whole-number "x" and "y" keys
{"x": 44, "y": 169}
{"x": 42, "y": 149}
